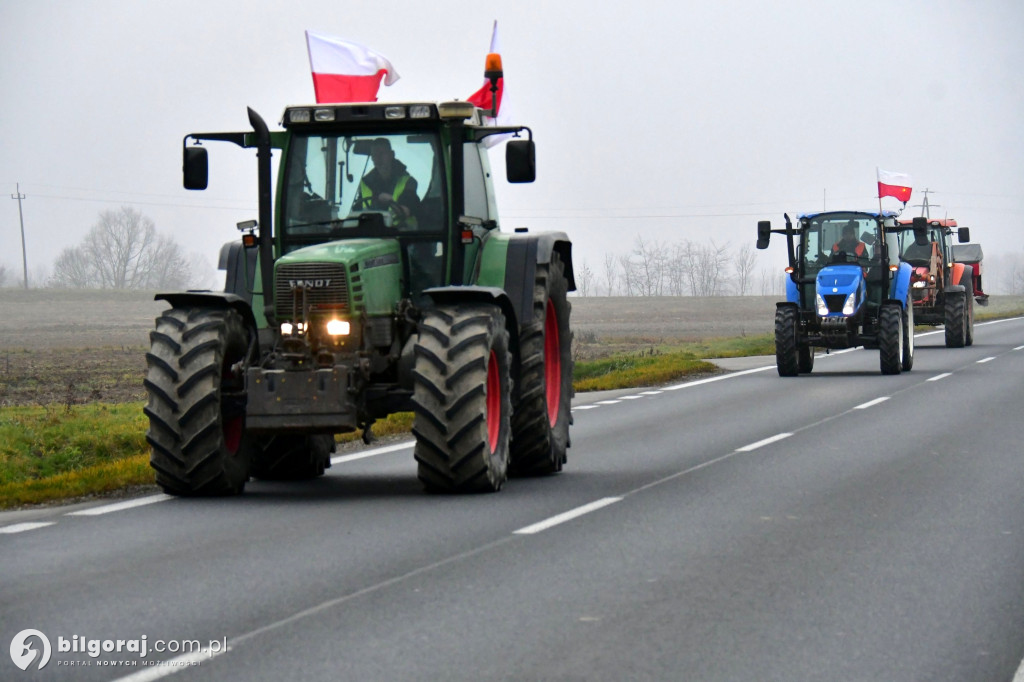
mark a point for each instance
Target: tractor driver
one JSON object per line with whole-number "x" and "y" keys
{"x": 389, "y": 186}
{"x": 849, "y": 243}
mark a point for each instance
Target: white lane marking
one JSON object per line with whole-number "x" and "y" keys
{"x": 161, "y": 669}
{"x": 584, "y": 407}
{"x": 608, "y": 402}
{"x": 120, "y": 506}
{"x": 566, "y": 516}
{"x": 1019, "y": 677}
{"x": 1019, "y": 348}
{"x": 22, "y": 527}
{"x": 632, "y": 397}
{"x": 939, "y": 377}
{"x": 984, "y": 360}
{"x": 761, "y": 443}
{"x": 871, "y": 403}
{"x": 660, "y": 392}
{"x": 341, "y": 459}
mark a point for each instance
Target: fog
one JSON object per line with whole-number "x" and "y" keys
{"x": 674, "y": 121}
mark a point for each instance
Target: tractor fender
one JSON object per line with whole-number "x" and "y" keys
{"x": 792, "y": 291}
{"x": 211, "y": 299}
{"x": 962, "y": 274}
{"x": 901, "y": 284}
{"x": 509, "y": 264}
{"x": 479, "y": 294}
{"x": 239, "y": 264}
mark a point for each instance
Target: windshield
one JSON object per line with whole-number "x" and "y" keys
{"x": 914, "y": 253}
{"x": 338, "y": 186}
{"x": 838, "y": 238}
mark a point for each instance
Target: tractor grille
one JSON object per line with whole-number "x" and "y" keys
{"x": 325, "y": 286}
{"x": 835, "y": 302}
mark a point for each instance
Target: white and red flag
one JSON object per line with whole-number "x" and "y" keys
{"x": 483, "y": 98}
{"x": 894, "y": 185}
{"x": 346, "y": 72}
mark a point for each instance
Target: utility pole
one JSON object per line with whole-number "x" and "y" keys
{"x": 924, "y": 205}
{"x": 21, "y": 219}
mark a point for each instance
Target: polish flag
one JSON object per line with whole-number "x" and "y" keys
{"x": 483, "y": 98}
{"x": 893, "y": 185}
{"x": 346, "y": 72}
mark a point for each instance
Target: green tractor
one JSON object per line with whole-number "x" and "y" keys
{"x": 386, "y": 287}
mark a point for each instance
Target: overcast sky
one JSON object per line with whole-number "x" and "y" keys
{"x": 671, "y": 120}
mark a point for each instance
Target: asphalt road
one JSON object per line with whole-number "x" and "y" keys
{"x": 839, "y": 526}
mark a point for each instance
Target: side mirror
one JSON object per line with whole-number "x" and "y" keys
{"x": 520, "y": 161}
{"x": 196, "y": 168}
{"x": 920, "y": 226}
{"x": 764, "y": 233}
{"x": 963, "y": 234}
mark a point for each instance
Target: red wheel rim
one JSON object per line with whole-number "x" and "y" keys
{"x": 231, "y": 425}
{"x": 493, "y": 402}
{"x": 552, "y": 364}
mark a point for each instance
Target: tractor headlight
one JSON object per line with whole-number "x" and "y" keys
{"x": 921, "y": 284}
{"x": 819, "y": 302}
{"x": 338, "y": 328}
{"x": 287, "y": 328}
{"x": 850, "y": 305}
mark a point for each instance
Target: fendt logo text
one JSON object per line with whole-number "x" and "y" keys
{"x": 23, "y": 653}
{"x": 309, "y": 283}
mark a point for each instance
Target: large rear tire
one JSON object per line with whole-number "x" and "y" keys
{"x": 907, "y": 363}
{"x": 967, "y": 279}
{"x": 805, "y": 359}
{"x": 541, "y": 418}
{"x": 890, "y": 338}
{"x": 462, "y": 399}
{"x": 786, "y": 357}
{"x": 196, "y": 408}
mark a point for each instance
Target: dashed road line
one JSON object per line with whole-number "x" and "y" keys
{"x": 939, "y": 377}
{"x": 761, "y": 443}
{"x": 984, "y": 360}
{"x": 871, "y": 403}
{"x": 22, "y": 527}
{"x": 566, "y": 516}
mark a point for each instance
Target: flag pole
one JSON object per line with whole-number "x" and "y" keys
{"x": 878, "y": 179}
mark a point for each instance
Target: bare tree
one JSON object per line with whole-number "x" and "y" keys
{"x": 609, "y": 273}
{"x": 584, "y": 279}
{"x": 649, "y": 268}
{"x": 743, "y": 266}
{"x": 123, "y": 251}
{"x": 629, "y": 275}
{"x": 711, "y": 262}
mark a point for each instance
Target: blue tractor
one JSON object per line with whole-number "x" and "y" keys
{"x": 847, "y": 287}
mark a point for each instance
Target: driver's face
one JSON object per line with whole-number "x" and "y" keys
{"x": 382, "y": 157}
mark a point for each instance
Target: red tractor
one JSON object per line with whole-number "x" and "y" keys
{"x": 943, "y": 290}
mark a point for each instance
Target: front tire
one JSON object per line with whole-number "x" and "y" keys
{"x": 890, "y": 338}
{"x": 786, "y": 357}
{"x": 541, "y": 418}
{"x": 196, "y": 407}
{"x": 956, "y": 319}
{"x": 462, "y": 399}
